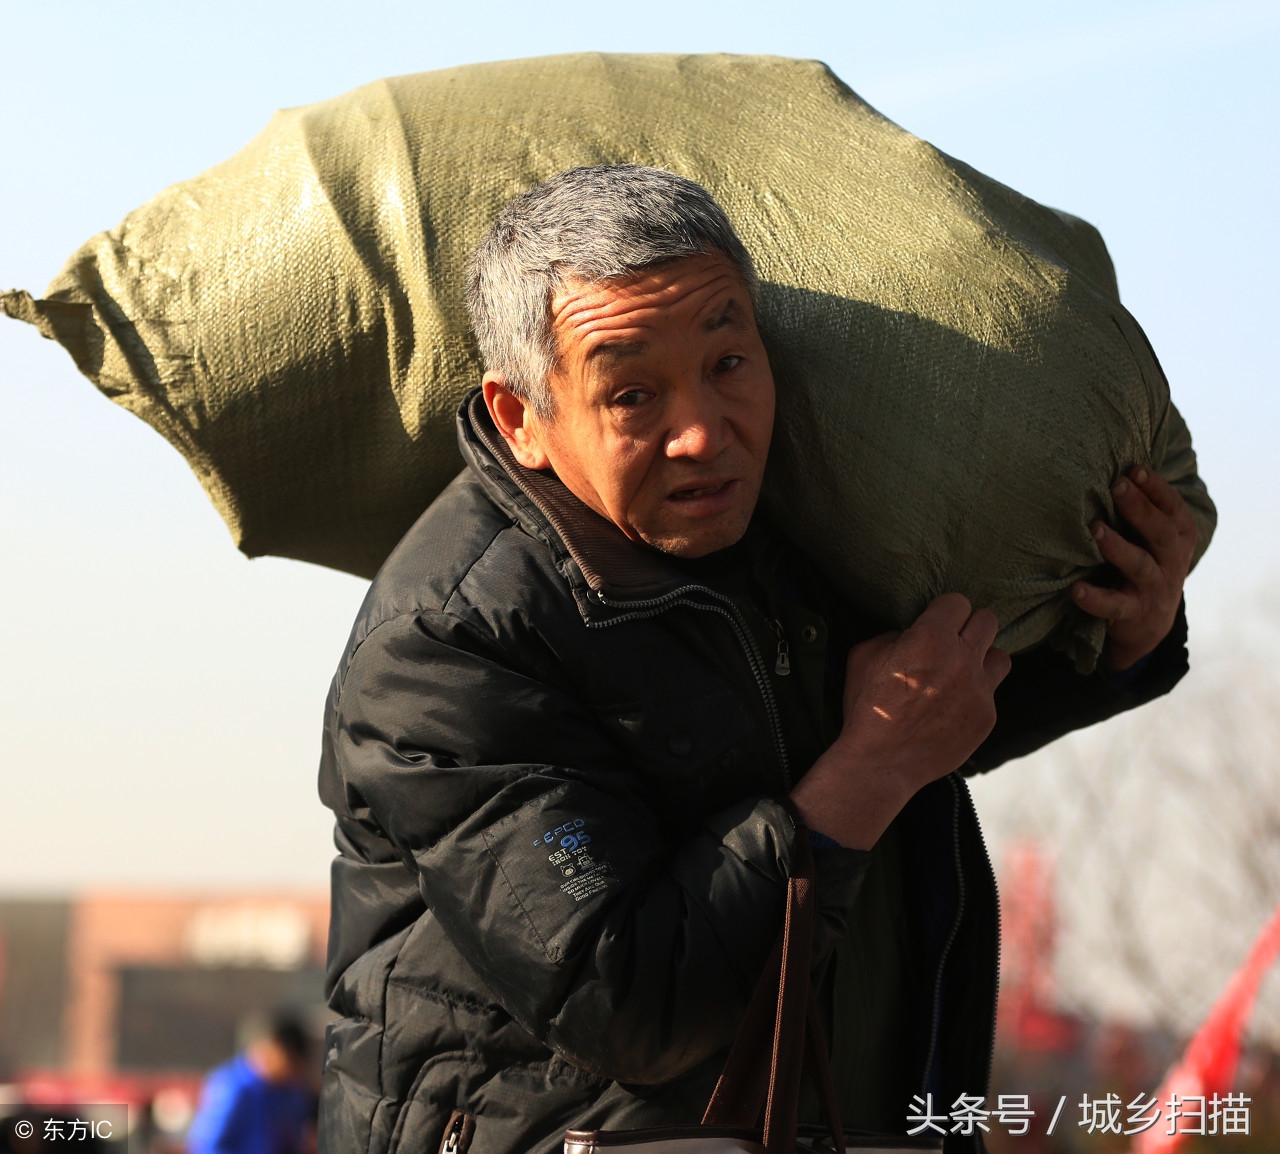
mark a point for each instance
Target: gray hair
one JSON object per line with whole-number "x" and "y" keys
{"x": 594, "y": 224}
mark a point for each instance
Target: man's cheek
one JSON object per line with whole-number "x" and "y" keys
{"x": 643, "y": 484}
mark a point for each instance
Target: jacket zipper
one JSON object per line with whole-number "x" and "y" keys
{"x": 457, "y": 1135}
{"x": 640, "y": 610}
{"x": 782, "y": 665}
{"x": 951, "y": 936}
{"x": 995, "y": 989}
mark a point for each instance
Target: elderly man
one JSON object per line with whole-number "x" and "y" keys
{"x": 580, "y": 691}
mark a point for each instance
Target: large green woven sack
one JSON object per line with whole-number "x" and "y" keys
{"x": 958, "y": 381}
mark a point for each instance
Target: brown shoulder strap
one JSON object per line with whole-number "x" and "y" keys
{"x": 782, "y": 1105}
{"x": 819, "y": 1062}
{"x": 739, "y": 1096}
{"x": 775, "y": 1024}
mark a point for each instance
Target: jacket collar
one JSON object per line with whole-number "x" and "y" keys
{"x": 606, "y": 571}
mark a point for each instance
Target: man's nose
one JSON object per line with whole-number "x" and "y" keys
{"x": 698, "y": 428}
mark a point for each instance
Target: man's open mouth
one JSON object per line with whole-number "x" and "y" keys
{"x": 694, "y": 492}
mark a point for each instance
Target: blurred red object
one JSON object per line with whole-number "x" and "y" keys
{"x": 1028, "y": 1019}
{"x": 1211, "y": 1058}
{"x": 58, "y": 1088}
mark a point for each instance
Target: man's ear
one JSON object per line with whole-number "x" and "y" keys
{"x": 516, "y": 421}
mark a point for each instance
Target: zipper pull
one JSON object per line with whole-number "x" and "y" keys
{"x": 457, "y": 1136}
{"x": 782, "y": 666}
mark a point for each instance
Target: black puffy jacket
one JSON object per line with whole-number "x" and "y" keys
{"x": 553, "y": 759}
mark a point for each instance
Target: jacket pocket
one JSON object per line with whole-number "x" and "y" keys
{"x": 422, "y": 1125}
{"x": 490, "y": 1107}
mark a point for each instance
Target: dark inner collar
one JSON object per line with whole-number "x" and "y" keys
{"x": 611, "y": 562}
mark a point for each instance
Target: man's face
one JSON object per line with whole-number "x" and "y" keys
{"x": 664, "y": 404}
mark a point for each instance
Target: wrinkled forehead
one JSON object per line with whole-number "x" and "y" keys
{"x": 621, "y": 315}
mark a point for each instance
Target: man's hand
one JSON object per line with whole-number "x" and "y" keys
{"x": 1141, "y": 609}
{"x": 916, "y": 706}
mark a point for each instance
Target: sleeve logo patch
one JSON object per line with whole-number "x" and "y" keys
{"x": 584, "y": 875}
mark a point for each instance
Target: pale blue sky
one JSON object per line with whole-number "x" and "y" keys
{"x": 160, "y": 697}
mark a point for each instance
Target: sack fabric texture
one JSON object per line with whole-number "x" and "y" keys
{"x": 959, "y": 384}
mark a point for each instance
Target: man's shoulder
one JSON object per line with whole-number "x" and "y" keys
{"x": 437, "y": 553}
{"x": 468, "y": 559}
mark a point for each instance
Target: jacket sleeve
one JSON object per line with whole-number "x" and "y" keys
{"x": 627, "y": 949}
{"x": 1044, "y": 698}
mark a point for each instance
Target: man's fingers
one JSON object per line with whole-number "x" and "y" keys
{"x": 1132, "y": 560}
{"x": 1158, "y": 491}
{"x": 1168, "y": 500}
{"x": 996, "y": 664}
{"x": 1110, "y": 604}
{"x": 1158, "y": 528}
{"x": 950, "y": 611}
{"x": 980, "y": 630}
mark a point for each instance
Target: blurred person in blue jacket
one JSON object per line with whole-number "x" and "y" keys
{"x": 261, "y": 1101}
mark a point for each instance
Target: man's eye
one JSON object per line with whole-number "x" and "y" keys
{"x": 727, "y": 364}
{"x": 630, "y": 398}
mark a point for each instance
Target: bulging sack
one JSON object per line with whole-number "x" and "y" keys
{"x": 959, "y": 384}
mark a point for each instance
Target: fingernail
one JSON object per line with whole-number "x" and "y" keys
{"x": 1079, "y": 592}
{"x": 1122, "y": 486}
{"x": 1099, "y": 530}
{"x": 1141, "y": 476}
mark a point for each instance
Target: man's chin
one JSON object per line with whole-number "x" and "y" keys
{"x": 699, "y": 540}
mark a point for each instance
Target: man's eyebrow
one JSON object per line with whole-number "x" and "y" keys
{"x": 730, "y": 315}
{"x": 617, "y": 350}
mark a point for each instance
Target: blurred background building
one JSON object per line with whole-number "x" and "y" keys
{"x": 130, "y": 997}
